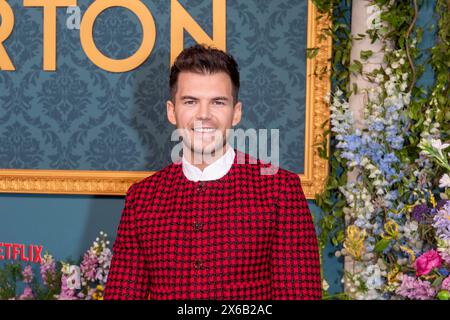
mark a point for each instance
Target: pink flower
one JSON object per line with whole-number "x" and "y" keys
{"x": 66, "y": 292}
{"x": 27, "y": 294}
{"x": 446, "y": 284}
{"x": 427, "y": 262}
{"x": 48, "y": 268}
{"x": 415, "y": 289}
{"x": 89, "y": 265}
{"x": 27, "y": 274}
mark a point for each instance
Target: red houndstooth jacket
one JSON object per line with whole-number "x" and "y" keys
{"x": 243, "y": 236}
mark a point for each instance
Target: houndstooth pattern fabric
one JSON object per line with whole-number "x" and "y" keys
{"x": 243, "y": 236}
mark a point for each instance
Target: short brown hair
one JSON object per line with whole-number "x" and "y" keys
{"x": 204, "y": 59}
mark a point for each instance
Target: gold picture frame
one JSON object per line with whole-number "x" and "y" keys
{"x": 89, "y": 182}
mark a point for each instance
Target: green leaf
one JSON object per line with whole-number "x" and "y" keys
{"x": 340, "y": 236}
{"x": 438, "y": 281}
{"x": 355, "y": 67}
{"x": 382, "y": 244}
{"x": 366, "y": 54}
{"x": 311, "y": 52}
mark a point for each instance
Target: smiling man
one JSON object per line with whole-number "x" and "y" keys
{"x": 211, "y": 226}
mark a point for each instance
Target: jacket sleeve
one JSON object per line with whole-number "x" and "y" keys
{"x": 295, "y": 260}
{"x": 128, "y": 277}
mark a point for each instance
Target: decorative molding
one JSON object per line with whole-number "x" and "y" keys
{"x": 317, "y": 112}
{"x": 117, "y": 182}
{"x": 69, "y": 181}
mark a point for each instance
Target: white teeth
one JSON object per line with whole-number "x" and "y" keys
{"x": 204, "y": 130}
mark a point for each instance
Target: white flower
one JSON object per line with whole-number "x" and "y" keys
{"x": 444, "y": 182}
{"x": 379, "y": 78}
{"x": 395, "y": 65}
{"x": 65, "y": 268}
{"x": 74, "y": 281}
{"x": 388, "y": 71}
{"x": 402, "y": 61}
{"x": 438, "y": 145}
{"x": 325, "y": 285}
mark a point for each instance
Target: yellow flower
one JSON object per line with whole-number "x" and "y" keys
{"x": 409, "y": 252}
{"x": 433, "y": 200}
{"x": 98, "y": 294}
{"x": 392, "y": 275}
{"x": 391, "y": 229}
{"x": 354, "y": 242}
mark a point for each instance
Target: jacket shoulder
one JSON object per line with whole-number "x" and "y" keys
{"x": 148, "y": 185}
{"x": 274, "y": 172}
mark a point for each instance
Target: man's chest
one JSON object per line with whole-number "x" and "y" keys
{"x": 209, "y": 226}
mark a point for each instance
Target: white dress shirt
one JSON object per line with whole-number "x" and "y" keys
{"x": 213, "y": 171}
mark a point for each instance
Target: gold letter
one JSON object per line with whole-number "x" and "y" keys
{"x": 49, "y": 27}
{"x": 180, "y": 20}
{"x": 6, "y": 29}
{"x": 148, "y": 35}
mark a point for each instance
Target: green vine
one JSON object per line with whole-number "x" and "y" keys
{"x": 331, "y": 201}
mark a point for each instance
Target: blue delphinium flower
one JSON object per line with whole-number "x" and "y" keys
{"x": 377, "y": 125}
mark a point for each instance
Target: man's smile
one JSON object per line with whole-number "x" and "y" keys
{"x": 204, "y": 130}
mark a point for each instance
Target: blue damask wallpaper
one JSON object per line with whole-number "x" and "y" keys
{"x": 82, "y": 117}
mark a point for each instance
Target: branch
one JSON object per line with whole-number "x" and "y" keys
{"x": 408, "y": 33}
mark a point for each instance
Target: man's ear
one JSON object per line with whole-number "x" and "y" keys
{"x": 171, "y": 112}
{"x": 237, "y": 113}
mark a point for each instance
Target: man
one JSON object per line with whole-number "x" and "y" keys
{"x": 211, "y": 226}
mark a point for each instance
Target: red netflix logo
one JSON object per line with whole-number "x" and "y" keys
{"x": 15, "y": 251}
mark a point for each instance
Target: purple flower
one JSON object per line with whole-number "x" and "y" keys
{"x": 48, "y": 268}
{"x": 66, "y": 292}
{"x": 441, "y": 203}
{"x": 445, "y": 256}
{"x": 89, "y": 265}
{"x": 416, "y": 289}
{"x": 27, "y": 294}
{"x": 27, "y": 274}
{"x": 441, "y": 222}
{"x": 446, "y": 284}
{"x": 420, "y": 212}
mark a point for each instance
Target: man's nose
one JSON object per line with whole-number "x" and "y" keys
{"x": 203, "y": 111}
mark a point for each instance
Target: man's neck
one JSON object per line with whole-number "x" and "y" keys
{"x": 202, "y": 161}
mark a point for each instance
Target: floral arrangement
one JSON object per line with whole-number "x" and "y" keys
{"x": 61, "y": 280}
{"x": 393, "y": 189}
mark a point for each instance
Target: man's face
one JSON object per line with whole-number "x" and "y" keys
{"x": 204, "y": 110}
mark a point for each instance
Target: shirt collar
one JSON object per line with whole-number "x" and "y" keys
{"x": 214, "y": 171}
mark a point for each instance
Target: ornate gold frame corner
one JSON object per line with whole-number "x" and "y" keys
{"x": 117, "y": 182}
